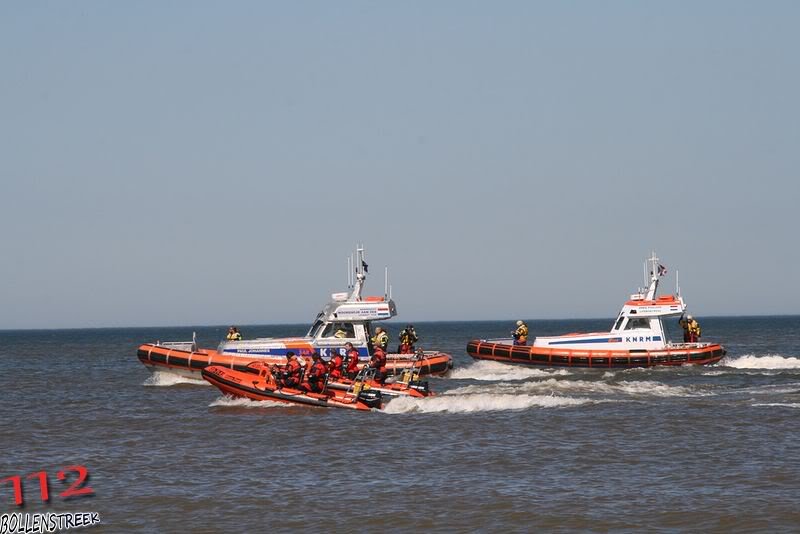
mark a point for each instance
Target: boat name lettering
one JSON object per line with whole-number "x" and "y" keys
{"x": 634, "y": 339}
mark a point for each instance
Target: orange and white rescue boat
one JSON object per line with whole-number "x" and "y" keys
{"x": 637, "y": 338}
{"x": 348, "y": 317}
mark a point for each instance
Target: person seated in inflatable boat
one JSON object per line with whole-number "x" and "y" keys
{"x": 335, "y": 367}
{"x": 291, "y": 372}
{"x": 352, "y": 360}
{"x": 378, "y": 362}
{"x": 316, "y": 374}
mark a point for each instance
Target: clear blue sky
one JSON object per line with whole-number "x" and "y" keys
{"x": 175, "y": 163}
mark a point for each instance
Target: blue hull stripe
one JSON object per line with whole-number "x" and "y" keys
{"x": 324, "y": 352}
{"x": 604, "y": 340}
{"x": 593, "y": 340}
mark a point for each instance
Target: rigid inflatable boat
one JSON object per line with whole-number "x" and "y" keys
{"x": 348, "y": 317}
{"x": 636, "y": 339}
{"x": 262, "y": 386}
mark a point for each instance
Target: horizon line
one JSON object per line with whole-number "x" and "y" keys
{"x": 388, "y": 321}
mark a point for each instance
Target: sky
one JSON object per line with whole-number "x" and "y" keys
{"x": 191, "y": 163}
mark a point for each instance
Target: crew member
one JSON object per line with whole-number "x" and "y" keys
{"x": 233, "y": 334}
{"x": 520, "y": 334}
{"x": 352, "y": 360}
{"x": 380, "y": 339}
{"x": 408, "y": 336}
{"x": 691, "y": 329}
{"x": 292, "y": 371}
{"x": 335, "y": 366}
{"x": 378, "y": 362}
{"x": 316, "y": 374}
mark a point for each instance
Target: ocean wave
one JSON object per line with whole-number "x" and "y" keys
{"x": 159, "y": 378}
{"x": 779, "y": 404}
{"x": 495, "y": 371}
{"x": 769, "y": 361}
{"x": 479, "y": 402}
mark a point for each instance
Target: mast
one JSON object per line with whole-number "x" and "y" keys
{"x": 361, "y": 275}
{"x": 651, "y": 290}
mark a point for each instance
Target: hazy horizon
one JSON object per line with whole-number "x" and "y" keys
{"x": 198, "y": 163}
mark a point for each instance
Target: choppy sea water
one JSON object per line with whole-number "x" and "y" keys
{"x": 703, "y": 449}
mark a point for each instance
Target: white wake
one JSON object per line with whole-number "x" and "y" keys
{"x": 159, "y": 378}
{"x": 479, "y": 402}
{"x": 495, "y": 371}
{"x": 769, "y": 361}
{"x": 240, "y": 402}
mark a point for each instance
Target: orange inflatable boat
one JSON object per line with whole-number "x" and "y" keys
{"x": 261, "y": 385}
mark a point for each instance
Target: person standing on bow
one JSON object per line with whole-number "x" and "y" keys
{"x": 691, "y": 329}
{"x": 233, "y": 334}
{"x": 380, "y": 339}
{"x": 352, "y": 360}
{"x": 520, "y": 334}
{"x": 408, "y": 336}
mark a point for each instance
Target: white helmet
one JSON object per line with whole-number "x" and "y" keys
{"x": 519, "y": 323}
{"x": 689, "y": 317}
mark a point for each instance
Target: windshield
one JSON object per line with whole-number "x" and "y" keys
{"x": 312, "y": 332}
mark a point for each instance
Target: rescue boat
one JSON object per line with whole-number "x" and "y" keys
{"x": 348, "y": 317}
{"x": 262, "y": 386}
{"x": 636, "y": 339}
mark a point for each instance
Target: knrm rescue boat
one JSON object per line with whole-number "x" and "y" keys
{"x": 636, "y": 339}
{"x": 347, "y": 318}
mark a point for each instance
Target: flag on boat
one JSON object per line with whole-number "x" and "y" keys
{"x": 662, "y": 270}
{"x": 365, "y": 266}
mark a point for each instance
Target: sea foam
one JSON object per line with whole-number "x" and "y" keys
{"x": 769, "y": 361}
{"x": 159, "y": 378}
{"x": 495, "y": 371}
{"x": 240, "y": 402}
{"x": 479, "y": 402}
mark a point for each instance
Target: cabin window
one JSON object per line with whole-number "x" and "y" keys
{"x": 637, "y": 323}
{"x": 619, "y": 322}
{"x": 339, "y": 331}
{"x": 312, "y": 332}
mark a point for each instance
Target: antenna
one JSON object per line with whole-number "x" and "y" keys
{"x": 385, "y": 282}
{"x": 677, "y": 284}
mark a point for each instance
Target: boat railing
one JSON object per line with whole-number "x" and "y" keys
{"x": 411, "y": 356}
{"x": 695, "y": 345}
{"x": 188, "y": 346}
{"x": 503, "y": 340}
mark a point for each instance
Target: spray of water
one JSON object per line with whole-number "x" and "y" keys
{"x": 495, "y": 371}
{"x": 480, "y": 402}
{"x": 159, "y": 378}
{"x": 768, "y": 361}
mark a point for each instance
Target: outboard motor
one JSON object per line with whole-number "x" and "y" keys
{"x": 419, "y": 385}
{"x": 371, "y": 397}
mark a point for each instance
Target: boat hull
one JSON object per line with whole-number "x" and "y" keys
{"x": 190, "y": 363}
{"x": 255, "y": 387}
{"x": 696, "y": 354}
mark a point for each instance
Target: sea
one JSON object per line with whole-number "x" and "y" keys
{"x": 500, "y": 448}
